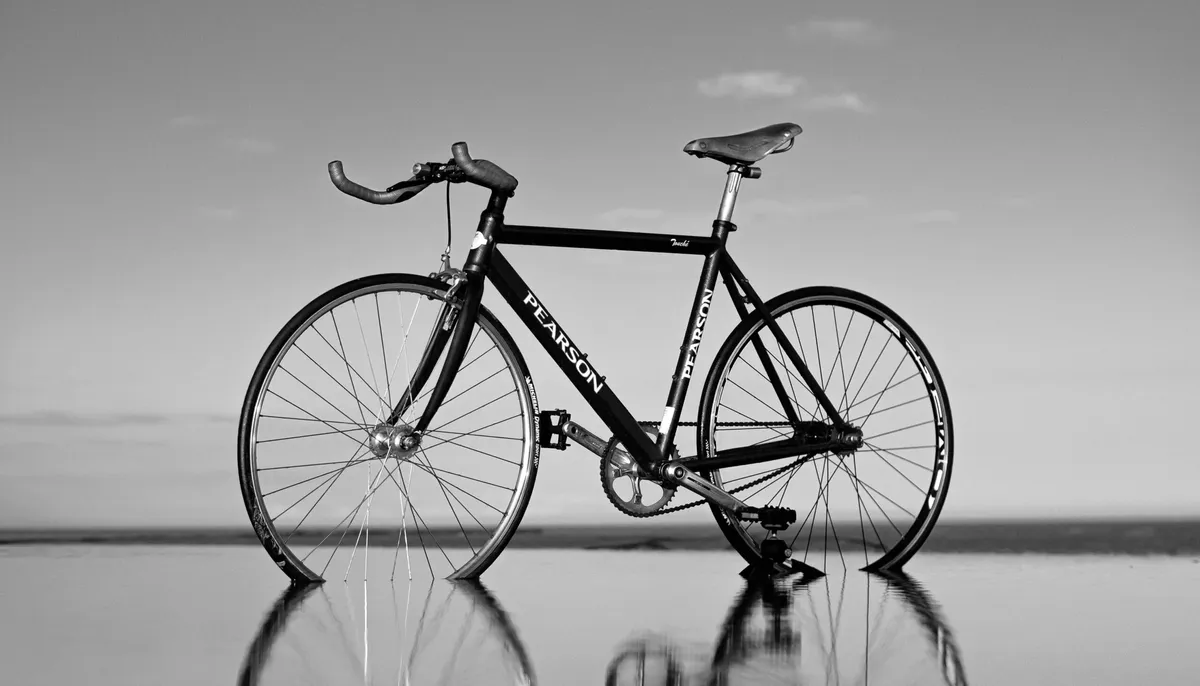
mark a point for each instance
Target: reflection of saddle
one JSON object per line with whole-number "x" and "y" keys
{"x": 746, "y": 148}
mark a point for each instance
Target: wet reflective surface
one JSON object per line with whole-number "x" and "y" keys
{"x": 179, "y": 615}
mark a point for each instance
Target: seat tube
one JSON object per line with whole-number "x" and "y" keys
{"x": 733, "y": 181}
{"x": 690, "y": 348}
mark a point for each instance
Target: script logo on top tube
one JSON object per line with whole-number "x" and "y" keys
{"x": 569, "y": 350}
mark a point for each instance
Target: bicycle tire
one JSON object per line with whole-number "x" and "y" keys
{"x": 347, "y": 371}
{"x": 889, "y": 550}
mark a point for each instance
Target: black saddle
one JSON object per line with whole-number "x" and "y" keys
{"x": 745, "y": 148}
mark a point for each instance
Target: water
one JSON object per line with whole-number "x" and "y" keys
{"x": 220, "y": 615}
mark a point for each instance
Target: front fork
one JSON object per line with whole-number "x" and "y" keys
{"x": 455, "y": 324}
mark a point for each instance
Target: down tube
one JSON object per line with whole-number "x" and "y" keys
{"x": 573, "y": 363}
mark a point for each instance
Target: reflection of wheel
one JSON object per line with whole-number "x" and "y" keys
{"x": 445, "y": 632}
{"x": 645, "y": 661}
{"x": 323, "y": 470}
{"x": 857, "y": 628}
{"x": 871, "y": 508}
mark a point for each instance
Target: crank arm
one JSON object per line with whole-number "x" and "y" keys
{"x": 675, "y": 473}
{"x": 585, "y": 438}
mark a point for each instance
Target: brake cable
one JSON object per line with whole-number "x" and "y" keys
{"x": 449, "y": 233}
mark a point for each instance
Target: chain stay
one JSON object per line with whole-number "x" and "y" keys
{"x": 767, "y": 477}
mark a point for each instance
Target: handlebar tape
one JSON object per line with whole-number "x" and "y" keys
{"x": 482, "y": 172}
{"x": 363, "y": 193}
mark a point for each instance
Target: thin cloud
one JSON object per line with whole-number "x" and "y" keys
{"x": 852, "y": 102}
{"x": 251, "y": 146}
{"x": 67, "y": 419}
{"x": 939, "y": 216}
{"x": 811, "y": 207}
{"x": 63, "y": 419}
{"x": 626, "y": 214}
{"x": 845, "y": 30}
{"x": 753, "y": 84}
{"x": 780, "y": 86}
{"x": 759, "y": 208}
{"x": 186, "y": 121}
{"x": 220, "y": 214}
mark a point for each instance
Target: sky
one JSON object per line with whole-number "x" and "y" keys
{"x": 1017, "y": 180}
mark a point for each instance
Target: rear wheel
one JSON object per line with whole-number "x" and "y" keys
{"x": 321, "y": 494}
{"x": 871, "y": 508}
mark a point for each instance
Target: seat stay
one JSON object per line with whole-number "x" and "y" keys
{"x": 789, "y": 350}
{"x": 772, "y": 375}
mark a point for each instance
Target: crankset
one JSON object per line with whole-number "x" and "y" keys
{"x": 626, "y": 487}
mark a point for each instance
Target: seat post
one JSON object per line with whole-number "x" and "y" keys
{"x": 732, "y": 182}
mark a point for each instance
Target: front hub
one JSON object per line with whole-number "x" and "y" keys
{"x": 399, "y": 441}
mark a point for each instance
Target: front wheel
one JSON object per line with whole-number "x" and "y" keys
{"x": 870, "y": 508}
{"x": 319, "y": 485}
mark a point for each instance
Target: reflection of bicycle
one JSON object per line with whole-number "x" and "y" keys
{"x": 877, "y": 628}
{"x": 396, "y": 410}
{"x": 446, "y": 633}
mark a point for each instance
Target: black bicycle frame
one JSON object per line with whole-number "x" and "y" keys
{"x": 486, "y": 261}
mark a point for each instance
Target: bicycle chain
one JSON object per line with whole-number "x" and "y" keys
{"x": 743, "y": 487}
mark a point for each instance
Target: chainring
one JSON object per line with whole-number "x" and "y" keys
{"x": 648, "y": 427}
{"x": 618, "y": 464}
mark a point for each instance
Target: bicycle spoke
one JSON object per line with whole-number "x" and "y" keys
{"x": 310, "y": 389}
{"x": 434, "y": 473}
{"x": 497, "y": 398}
{"x": 327, "y": 422}
{"x": 854, "y": 370}
{"x": 760, "y": 399}
{"x": 383, "y": 350}
{"x": 893, "y": 407}
{"x": 879, "y": 394}
{"x": 874, "y": 447}
{"x": 322, "y": 433}
{"x": 863, "y": 385}
{"x": 328, "y": 484}
{"x": 455, "y": 443}
{"x": 341, "y": 352}
{"x": 340, "y": 385}
{"x": 902, "y": 474}
{"x": 896, "y": 431}
{"x": 455, "y": 513}
{"x": 477, "y": 435}
{"x": 370, "y": 365}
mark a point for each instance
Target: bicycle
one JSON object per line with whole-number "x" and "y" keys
{"x": 797, "y": 407}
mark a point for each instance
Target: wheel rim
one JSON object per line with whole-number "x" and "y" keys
{"x": 328, "y": 502}
{"x": 871, "y": 508}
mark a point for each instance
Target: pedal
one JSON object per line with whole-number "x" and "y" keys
{"x": 771, "y": 518}
{"x": 550, "y": 428}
